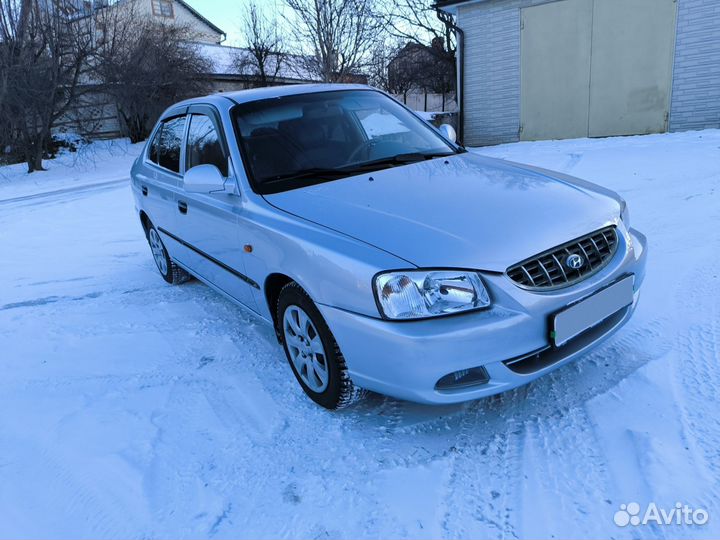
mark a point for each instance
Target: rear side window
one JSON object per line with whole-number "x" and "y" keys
{"x": 204, "y": 146}
{"x": 154, "y": 146}
{"x": 165, "y": 149}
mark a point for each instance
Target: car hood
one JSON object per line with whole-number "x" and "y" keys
{"x": 465, "y": 211}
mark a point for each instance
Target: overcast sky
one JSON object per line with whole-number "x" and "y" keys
{"x": 226, "y": 13}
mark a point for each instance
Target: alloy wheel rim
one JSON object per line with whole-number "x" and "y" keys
{"x": 306, "y": 349}
{"x": 158, "y": 251}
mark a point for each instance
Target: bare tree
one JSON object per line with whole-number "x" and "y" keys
{"x": 340, "y": 35}
{"x": 45, "y": 48}
{"x": 264, "y": 55}
{"x": 146, "y": 67}
{"x": 378, "y": 62}
{"x": 417, "y": 21}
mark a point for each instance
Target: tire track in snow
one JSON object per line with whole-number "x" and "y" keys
{"x": 562, "y": 471}
{"x": 565, "y": 474}
{"x": 482, "y": 492}
{"x": 257, "y": 410}
{"x": 545, "y": 419}
{"x": 48, "y": 482}
{"x": 697, "y": 369}
{"x": 187, "y": 461}
{"x": 82, "y": 189}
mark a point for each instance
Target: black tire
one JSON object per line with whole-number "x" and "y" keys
{"x": 170, "y": 271}
{"x": 340, "y": 391}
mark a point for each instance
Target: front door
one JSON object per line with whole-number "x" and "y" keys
{"x": 208, "y": 223}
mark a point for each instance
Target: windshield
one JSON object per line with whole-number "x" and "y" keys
{"x": 300, "y": 140}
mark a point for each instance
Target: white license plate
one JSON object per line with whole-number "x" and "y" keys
{"x": 592, "y": 310}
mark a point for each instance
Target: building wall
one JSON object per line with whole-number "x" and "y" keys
{"x": 492, "y": 70}
{"x": 696, "y": 78}
{"x": 204, "y": 33}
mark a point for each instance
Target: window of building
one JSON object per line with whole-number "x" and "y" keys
{"x": 163, "y": 8}
{"x": 204, "y": 146}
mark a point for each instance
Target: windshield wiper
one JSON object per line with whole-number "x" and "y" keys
{"x": 399, "y": 159}
{"x": 320, "y": 173}
{"x": 323, "y": 173}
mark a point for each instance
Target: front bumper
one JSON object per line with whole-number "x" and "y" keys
{"x": 510, "y": 339}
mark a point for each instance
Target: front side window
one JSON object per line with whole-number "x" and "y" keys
{"x": 299, "y": 140}
{"x": 204, "y": 146}
{"x": 170, "y": 142}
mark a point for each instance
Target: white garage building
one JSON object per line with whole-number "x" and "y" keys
{"x": 539, "y": 69}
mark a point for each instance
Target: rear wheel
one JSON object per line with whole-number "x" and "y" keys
{"x": 170, "y": 271}
{"x": 312, "y": 352}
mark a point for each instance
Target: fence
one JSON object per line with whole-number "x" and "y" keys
{"x": 428, "y": 102}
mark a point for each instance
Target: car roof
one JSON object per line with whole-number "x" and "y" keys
{"x": 255, "y": 94}
{"x": 227, "y": 99}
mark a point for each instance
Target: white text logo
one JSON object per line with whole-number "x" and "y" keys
{"x": 680, "y": 514}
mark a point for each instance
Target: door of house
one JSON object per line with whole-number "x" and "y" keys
{"x": 596, "y": 68}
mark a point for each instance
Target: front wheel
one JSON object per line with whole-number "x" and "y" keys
{"x": 312, "y": 352}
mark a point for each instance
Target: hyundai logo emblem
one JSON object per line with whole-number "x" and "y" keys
{"x": 575, "y": 261}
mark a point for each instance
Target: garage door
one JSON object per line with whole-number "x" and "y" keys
{"x": 632, "y": 54}
{"x": 555, "y": 52}
{"x": 596, "y": 68}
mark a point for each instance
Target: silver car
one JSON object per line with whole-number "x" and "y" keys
{"x": 386, "y": 256}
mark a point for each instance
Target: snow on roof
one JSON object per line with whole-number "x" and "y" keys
{"x": 226, "y": 61}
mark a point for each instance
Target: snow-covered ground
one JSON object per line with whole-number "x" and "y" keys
{"x": 101, "y": 162}
{"x": 130, "y": 408}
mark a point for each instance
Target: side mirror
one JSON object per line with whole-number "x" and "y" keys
{"x": 448, "y": 131}
{"x": 204, "y": 179}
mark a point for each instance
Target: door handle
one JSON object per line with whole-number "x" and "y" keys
{"x": 182, "y": 206}
{"x": 144, "y": 190}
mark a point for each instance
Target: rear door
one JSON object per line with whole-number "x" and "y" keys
{"x": 160, "y": 179}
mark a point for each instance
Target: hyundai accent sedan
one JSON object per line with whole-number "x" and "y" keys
{"x": 386, "y": 256}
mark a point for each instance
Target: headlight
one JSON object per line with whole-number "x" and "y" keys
{"x": 429, "y": 293}
{"x": 625, "y": 213}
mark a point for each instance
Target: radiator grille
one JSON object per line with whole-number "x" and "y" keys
{"x": 552, "y": 268}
